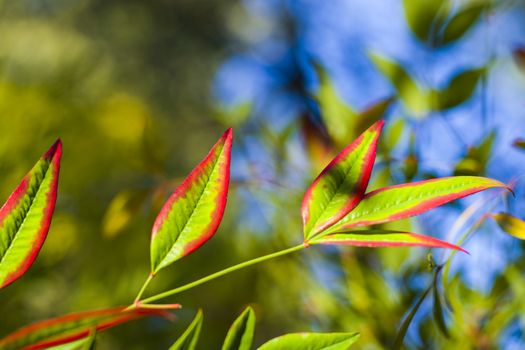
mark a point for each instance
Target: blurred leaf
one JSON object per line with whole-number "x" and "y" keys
{"x": 415, "y": 98}
{"x": 475, "y": 162}
{"x": 437, "y": 308}
{"x": 194, "y": 211}
{"x": 188, "y": 340}
{"x": 400, "y": 337}
{"x": 64, "y": 329}
{"x": 121, "y": 210}
{"x": 511, "y": 224}
{"x": 318, "y": 144}
{"x": 26, "y": 216}
{"x": 240, "y": 334}
{"x": 372, "y": 114}
{"x": 405, "y": 200}
{"x": 87, "y": 343}
{"x": 519, "y": 143}
{"x": 341, "y": 185}
{"x": 382, "y": 238}
{"x": 461, "y": 22}
{"x": 392, "y": 135}
{"x": 425, "y": 17}
{"x": 311, "y": 341}
{"x": 460, "y": 89}
{"x": 233, "y": 116}
{"x": 519, "y": 57}
{"x": 337, "y": 115}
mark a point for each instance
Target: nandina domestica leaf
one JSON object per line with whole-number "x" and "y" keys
{"x": 341, "y": 185}
{"x": 240, "y": 334}
{"x": 188, "y": 340}
{"x": 193, "y": 212}
{"x": 405, "y": 200}
{"x": 311, "y": 341}
{"x": 383, "y": 238}
{"x": 26, "y": 216}
{"x": 68, "y": 328}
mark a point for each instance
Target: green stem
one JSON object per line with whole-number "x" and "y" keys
{"x": 222, "y": 273}
{"x": 143, "y": 289}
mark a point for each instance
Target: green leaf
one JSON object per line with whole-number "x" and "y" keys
{"x": 383, "y": 238}
{"x": 437, "y": 308}
{"x": 194, "y": 211}
{"x": 338, "y": 117}
{"x": 406, "y": 200}
{"x": 311, "y": 341}
{"x": 398, "y": 343}
{"x": 415, "y": 98}
{"x": 459, "y": 90}
{"x": 87, "y": 343}
{"x": 461, "y": 22}
{"x": 240, "y": 334}
{"x": 188, "y": 340}
{"x": 510, "y": 224}
{"x": 341, "y": 185}
{"x": 475, "y": 162}
{"x": 425, "y": 17}
{"x": 68, "y": 328}
{"x": 26, "y": 216}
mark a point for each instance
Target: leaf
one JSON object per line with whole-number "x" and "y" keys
{"x": 460, "y": 89}
{"x": 415, "y": 98}
{"x": 398, "y": 343}
{"x": 121, "y": 211}
{"x": 461, "y": 22}
{"x": 188, "y": 340}
{"x": 87, "y": 343}
{"x": 194, "y": 211}
{"x": 341, "y": 185}
{"x": 311, "y": 341}
{"x": 519, "y": 143}
{"x": 337, "y": 115}
{"x": 425, "y": 17}
{"x": 383, "y": 238}
{"x": 437, "y": 308}
{"x": 510, "y": 224}
{"x": 372, "y": 113}
{"x": 68, "y": 328}
{"x": 406, "y": 200}
{"x": 475, "y": 162}
{"x": 240, "y": 334}
{"x": 26, "y": 216}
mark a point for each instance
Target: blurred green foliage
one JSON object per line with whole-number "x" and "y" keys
{"x": 126, "y": 85}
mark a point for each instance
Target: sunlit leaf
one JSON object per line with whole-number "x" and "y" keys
{"x": 405, "y": 200}
{"x": 311, "y": 341}
{"x": 511, "y": 224}
{"x": 68, "y": 328}
{"x": 233, "y": 115}
{"x": 425, "y": 17}
{"x": 461, "y": 22}
{"x": 460, "y": 89}
{"x": 26, "y": 216}
{"x": 415, "y": 98}
{"x": 121, "y": 211}
{"x": 392, "y": 135}
{"x": 240, "y": 334}
{"x": 188, "y": 340}
{"x": 337, "y": 115}
{"x": 341, "y": 185}
{"x": 383, "y": 238}
{"x": 193, "y": 212}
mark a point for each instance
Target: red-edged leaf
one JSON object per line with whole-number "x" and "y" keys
{"x": 26, "y": 216}
{"x": 194, "y": 211}
{"x": 405, "y": 200}
{"x": 68, "y": 328}
{"x": 341, "y": 185}
{"x": 383, "y": 238}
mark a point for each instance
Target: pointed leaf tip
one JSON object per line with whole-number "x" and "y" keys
{"x": 194, "y": 211}
{"x": 26, "y": 216}
{"x": 341, "y": 185}
{"x": 240, "y": 334}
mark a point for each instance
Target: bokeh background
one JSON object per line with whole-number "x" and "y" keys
{"x": 140, "y": 90}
